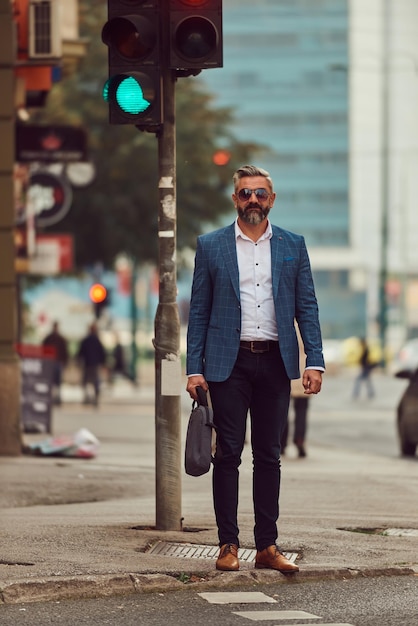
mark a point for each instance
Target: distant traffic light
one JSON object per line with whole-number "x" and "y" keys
{"x": 134, "y": 87}
{"x": 195, "y": 34}
{"x": 100, "y": 298}
{"x": 221, "y": 157}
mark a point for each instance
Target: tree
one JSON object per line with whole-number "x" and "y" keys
{"x": 118, "y": 211}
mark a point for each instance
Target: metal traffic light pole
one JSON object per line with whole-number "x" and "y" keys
{"x": 149, "y": 46}
{"x": 167, "y": 323}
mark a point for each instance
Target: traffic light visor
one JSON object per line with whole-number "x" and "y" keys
{"x": 98, "y": 293}
{"x": 131, "y": 36}
{"x": 195, "y": 38}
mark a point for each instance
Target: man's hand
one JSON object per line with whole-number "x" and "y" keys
{"x": 193, "y": 382}
{"x": 312, "y": 381}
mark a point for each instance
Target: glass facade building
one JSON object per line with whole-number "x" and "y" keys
{"x": 285, "y": 76}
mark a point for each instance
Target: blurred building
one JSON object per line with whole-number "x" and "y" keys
{"x": 47, "y": 46}
{"x": 331, "y": 86}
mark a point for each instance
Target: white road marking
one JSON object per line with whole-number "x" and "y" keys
{"x": 259, "y": 616}
{"x": 236, "y": 597}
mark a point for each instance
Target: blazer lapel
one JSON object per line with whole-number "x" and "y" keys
{"x": 277, "y": 251}
{"x": 230, "y": 256}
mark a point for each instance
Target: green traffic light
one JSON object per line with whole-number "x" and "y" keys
{"x": 130, "y": 96}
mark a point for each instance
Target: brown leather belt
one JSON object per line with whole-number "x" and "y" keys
{"x": 258, "y": 346}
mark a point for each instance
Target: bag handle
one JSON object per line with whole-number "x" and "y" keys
{"x": 201, "y": 396}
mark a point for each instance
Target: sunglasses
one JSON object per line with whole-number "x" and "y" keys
{"x": 260, "y": 194}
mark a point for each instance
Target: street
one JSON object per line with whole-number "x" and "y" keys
{"x": 75, "y": 520}
{"x": 363, "y": 425}
{"x": 382, "y": 601}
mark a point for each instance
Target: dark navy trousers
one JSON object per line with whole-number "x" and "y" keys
{"x": 258, "y": 385}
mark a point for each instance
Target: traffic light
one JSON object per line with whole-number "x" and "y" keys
{"x": 100, "y": 298}
{"x": 133, "y": 90}
{"x": 221, "y": 157}
{"x": 195, "y": 34}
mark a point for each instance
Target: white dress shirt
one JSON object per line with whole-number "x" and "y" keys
{"x": 258, "y": 317}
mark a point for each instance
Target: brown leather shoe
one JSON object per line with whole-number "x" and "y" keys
{"x": 272, "y": 558}
{"x": 228, "y": 558}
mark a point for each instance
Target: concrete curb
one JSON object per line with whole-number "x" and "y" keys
{"x": 105, "y": 585}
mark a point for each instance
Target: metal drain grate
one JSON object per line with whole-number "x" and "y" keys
{"x": 195, "y": 551}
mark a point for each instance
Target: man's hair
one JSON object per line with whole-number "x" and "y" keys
{"x": 251, "y": 170}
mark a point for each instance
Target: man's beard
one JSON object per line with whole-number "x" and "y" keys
{"x": 253, "y": 214}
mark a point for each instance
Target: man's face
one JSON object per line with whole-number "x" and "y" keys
{"x": 253, "y": 199}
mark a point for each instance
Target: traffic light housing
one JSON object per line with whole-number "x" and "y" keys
{"x": 195, "y": 34}
{"x": 134, "y": 87}
{"x": 100, "y": 298}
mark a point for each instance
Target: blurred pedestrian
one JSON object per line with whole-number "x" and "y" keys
{"x": 366, "y": 366}
{"x": 56, "y": 341}
{"x": 118, "y": 366}
{"x": 92, "y": 356}
{"x": 299, "y": 402}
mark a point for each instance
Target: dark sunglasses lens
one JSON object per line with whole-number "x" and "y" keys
{"x": 245, "y": 194}
{"x": 261, "y": 194}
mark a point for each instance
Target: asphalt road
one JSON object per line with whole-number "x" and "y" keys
{"x": 363, "y": 425}
{"x": 384, "y": 601}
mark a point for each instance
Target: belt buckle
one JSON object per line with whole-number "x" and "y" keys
{"x": 255, "y": 351}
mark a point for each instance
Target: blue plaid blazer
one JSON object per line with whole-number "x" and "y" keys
{"x": 214, "y": 328}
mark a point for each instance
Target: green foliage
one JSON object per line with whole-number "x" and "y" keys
{"x": 118, "y": 211}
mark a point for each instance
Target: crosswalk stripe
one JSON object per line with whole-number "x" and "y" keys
{"x": 259, "y": 616}
{"x": 236, "y": 597}
{"x": 257, "y": 597}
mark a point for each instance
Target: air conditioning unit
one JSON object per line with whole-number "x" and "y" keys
{"x": 44, "y": 29}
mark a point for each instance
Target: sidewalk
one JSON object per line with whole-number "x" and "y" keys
{"x": 75, "y": 528}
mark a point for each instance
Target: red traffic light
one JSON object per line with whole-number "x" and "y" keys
{"x": 221, "y": 157}
{"x": 98, "y": 293}
{"x": 132, "y": 37}
{"x": 195, "y": 34}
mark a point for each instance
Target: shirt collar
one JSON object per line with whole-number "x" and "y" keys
{"x": 268, "y": 233}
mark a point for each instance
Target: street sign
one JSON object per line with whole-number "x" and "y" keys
{"x": 50, "y": 144}
{"x": 37, "y": 373}
{"x": 54, "y": 255}
{"x": 80, "y": 173}
{"x": 49, "y": 198}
